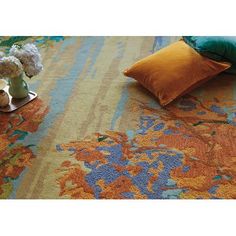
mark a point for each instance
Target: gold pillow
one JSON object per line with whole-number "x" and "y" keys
{"x": 174, "y": 70}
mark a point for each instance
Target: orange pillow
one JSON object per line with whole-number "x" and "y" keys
{"x": 174, "y": 70}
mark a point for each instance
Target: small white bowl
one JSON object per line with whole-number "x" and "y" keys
{"x": 4, "y": 98}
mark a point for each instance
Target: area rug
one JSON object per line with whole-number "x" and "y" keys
{"x": 95, "y": 134}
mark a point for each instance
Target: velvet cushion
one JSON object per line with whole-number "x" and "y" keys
{"x": 220, "y": 48}
{"x": 174, "y": 70}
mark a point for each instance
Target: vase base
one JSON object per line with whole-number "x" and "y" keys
{"x": 16, "y": 103}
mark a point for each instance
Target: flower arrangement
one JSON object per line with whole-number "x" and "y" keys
{"x": 21, "y": 59}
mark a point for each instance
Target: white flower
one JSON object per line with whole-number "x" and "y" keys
{"x": 30, "y": 58}
{"x": 10, "y": 67}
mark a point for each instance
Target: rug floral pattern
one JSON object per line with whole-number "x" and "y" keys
{"x": 186, "y": 151}
{"x": 15, "y": 157}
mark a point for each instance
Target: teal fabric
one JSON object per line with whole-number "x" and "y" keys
{"x": 220, "y": 48}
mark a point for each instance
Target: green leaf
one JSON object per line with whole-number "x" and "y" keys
{"x": 102, "y": 138}
{"x": 198, "y": 123}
